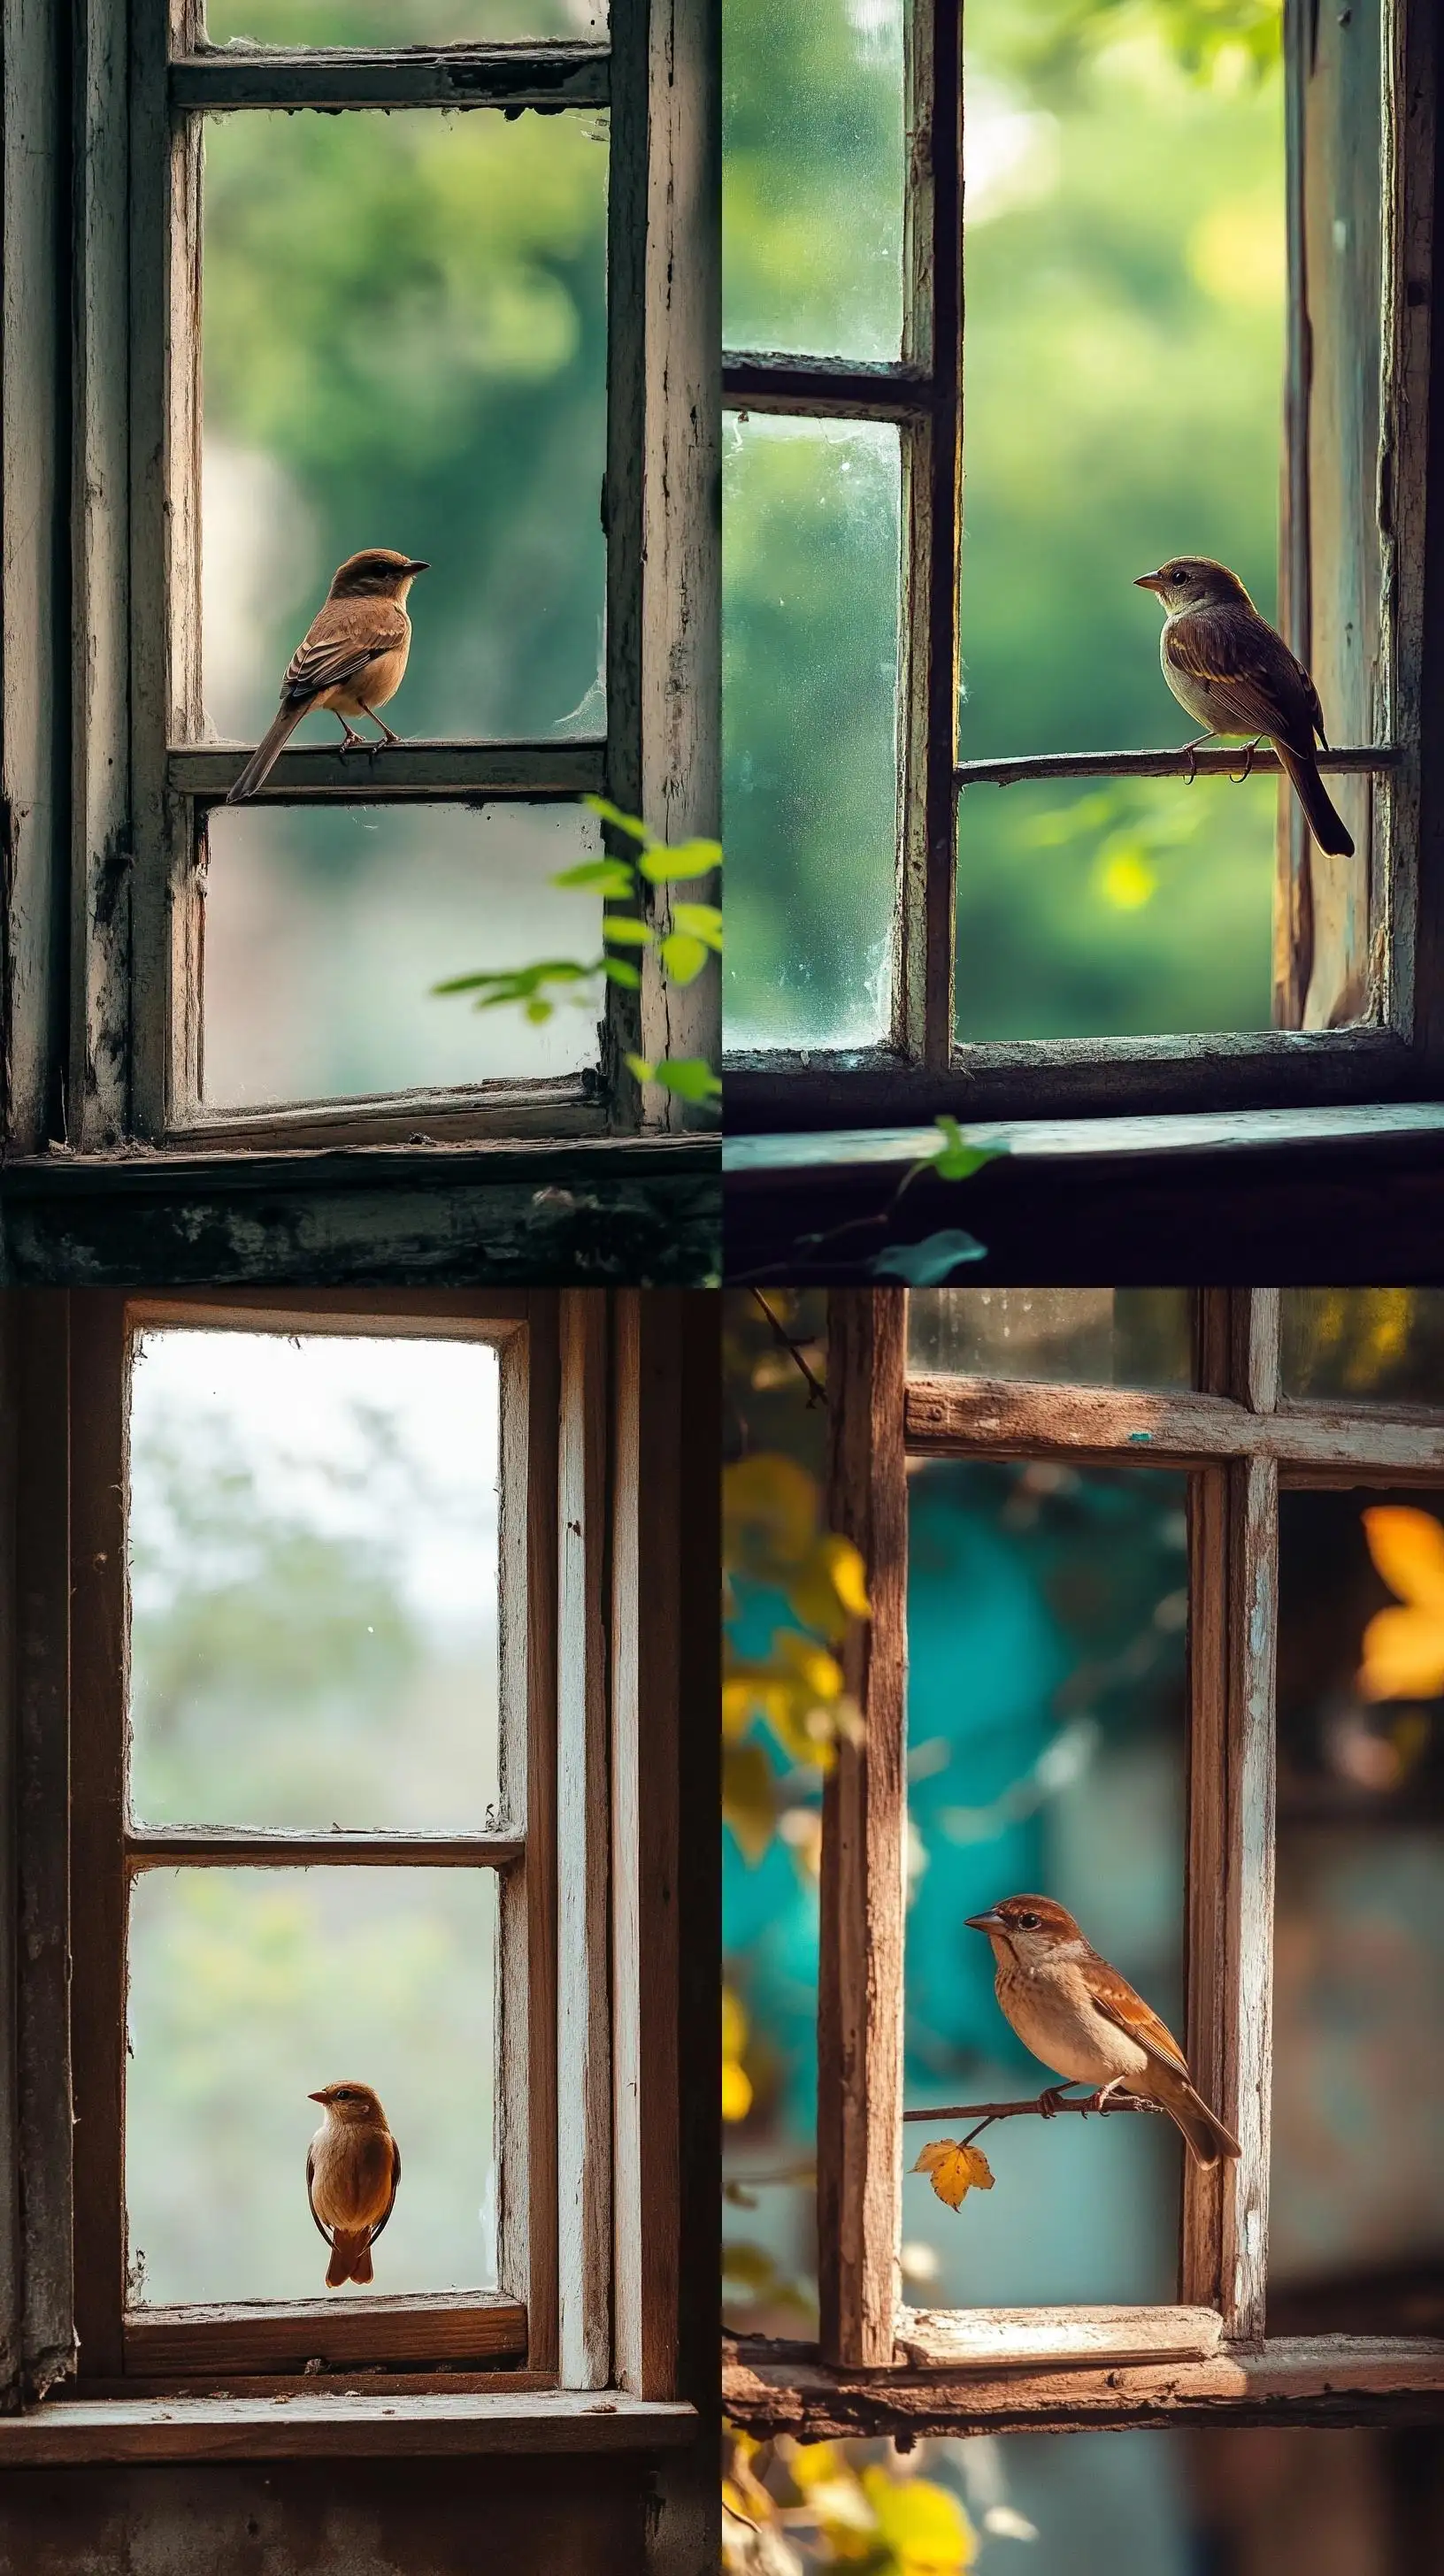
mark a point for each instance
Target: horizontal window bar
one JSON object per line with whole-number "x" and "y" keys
{"x": 505, "y": 76}
{"x": 826, "y": 387}
{"x": 247, "y": 1847}
{"x": 568, "y": 1105}
{"x": 446, "y": 772}
{"x": 1370, "y": 761}
{"x": 1014, "y": 1418}
{"x": 455, "y": 2326}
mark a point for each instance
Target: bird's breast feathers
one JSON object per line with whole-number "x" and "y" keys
{"x": 352, "y": 2175}
{"x": 1053, "y": 2011}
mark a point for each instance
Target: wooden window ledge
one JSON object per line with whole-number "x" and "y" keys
{"x": 1216, "y": 1196}
{"x": 770, "y": 2388}
{"x": 68, "y": 2431}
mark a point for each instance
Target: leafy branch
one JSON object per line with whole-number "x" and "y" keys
{"x": 933, "y": 1260}
{"x": 694, "y": 935}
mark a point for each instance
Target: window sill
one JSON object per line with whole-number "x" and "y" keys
{"x": 770, "y": 2388}
{"x": 1230, "y": 1194}
{"x": 70, "y": 2431}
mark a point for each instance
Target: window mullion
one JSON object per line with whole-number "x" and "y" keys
{"x": 864, "y": 1850}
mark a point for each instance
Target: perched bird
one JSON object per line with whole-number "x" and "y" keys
{"x": 353, "y": 2166}
{"x": 352, "y": 658}
{"x": 1086, "y": 2022}
{"x": 1225, "y": 664}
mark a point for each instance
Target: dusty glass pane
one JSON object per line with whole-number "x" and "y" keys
{"x": 1093, "y": 1336}
{"x": 1364, "y": 1345}
{"x": 810, "y": 626}
{"x": 249, "y": 1989}
{"x": 1047, "y": 1609}
{"x": 1137, "y": 907}
{"x": 313, "y": 1566}
{"x": 326, "y": 929}
{"x": 1125, "y": 354}
{"x": 400, "y": 22}
{"x": 1356, "y": 2204}
{"x": 430, "y": 376}
{"x": 812, "y": 176}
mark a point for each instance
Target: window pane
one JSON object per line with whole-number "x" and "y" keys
{"x": 1356, "y": 2218}
{"x": 249, "y": 1989}
{"x": 1094, "y": 1336}
{"x": 327, "y": 927}
{"x": 1046, "y": 1619}
{"x": 400, "y": 22}
{"x": 430, "y": 375}
{"x": 810, "y": 628}
{"x": 1138, "y": 907}
{"x": 313, "y": 1562}
{"x": 812, "y": 186}
{"x": 1364, "y": 1345}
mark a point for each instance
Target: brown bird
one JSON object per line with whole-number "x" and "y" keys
{"x": 352, "y": 658}
{"x": 1225, "y": 664}
{"x": 353, "y": 2166}
{"x": 1085, "y": 2021}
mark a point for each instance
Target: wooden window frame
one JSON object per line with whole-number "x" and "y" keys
{"x": 1210, "y": 2353}
{"x": 108, "y": 777}
{"x": 1345, "y": 944}
{"x": 589, "y": 2117}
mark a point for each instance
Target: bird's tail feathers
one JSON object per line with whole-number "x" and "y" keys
{"x": 1325, "y": 822}
{"x": 350, "y": 2259}
{"x": 1208, "y": 2140}
{"x": 264, "y": 758}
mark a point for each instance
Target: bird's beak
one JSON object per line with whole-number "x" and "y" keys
{"x": 315, "y": 2097}
{"x": 992, "y": 1921}
{"x": 417, "y": 566}
{"x": 1149, "y": 581}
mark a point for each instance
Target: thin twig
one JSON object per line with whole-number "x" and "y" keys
{"x": 817, "y": 1392}
{"x": 1012, "y": 2110}
{"x": 1366, "y": 762}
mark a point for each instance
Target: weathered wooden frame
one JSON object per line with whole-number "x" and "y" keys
{"x": 1236, "y": 1436}
{"x": 519, "y": 2320}
{"x": 1353, "y": 1019}
{"x": 142, "y": 777}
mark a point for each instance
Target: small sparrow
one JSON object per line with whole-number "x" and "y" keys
{"x": 1086, "y": 2022}
{"x": 1225, "y": 664}
{"x": 353, "y": 2166}
{"x": 352, "y": 658}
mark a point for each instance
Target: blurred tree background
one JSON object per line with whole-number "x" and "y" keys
{"x": 313, "y": 1643}
{"x": 404, "y": 344}
{"x": 1124, "y": 267}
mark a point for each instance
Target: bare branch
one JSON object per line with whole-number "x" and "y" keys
{"x": 1161, "y": 764}
{"x": 1043, "y": 2105}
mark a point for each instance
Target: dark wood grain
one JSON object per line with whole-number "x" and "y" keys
{"x": 457, "y": 2326}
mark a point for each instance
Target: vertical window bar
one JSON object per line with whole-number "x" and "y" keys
{"x": 1293, "y": 893}
{"x": 864, "y": 1850}
{"x": 584, "y": 2074}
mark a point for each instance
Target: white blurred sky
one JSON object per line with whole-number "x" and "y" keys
{"x": 289, "y": 1406}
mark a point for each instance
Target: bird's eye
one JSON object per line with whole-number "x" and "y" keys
{"x": 1027, "y": 1922}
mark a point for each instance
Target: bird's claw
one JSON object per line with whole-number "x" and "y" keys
{"x": 1247, "y": 769}
{"x": 1050, "y": 2101}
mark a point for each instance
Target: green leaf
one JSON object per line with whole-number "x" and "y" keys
{"x": 684, "y": 956}
{"x": 684, "y": 859}
{"x": 631, "y": 824}
{"x": 689, "y": 1076}
{"x": 929, "y": 1263}
{"x": 959, "y": 1159}
{"x": 620, "y": 970}
{"x": 626, "y": 930}
{"x": 600, "y": 876}
{"x": 537, "y": 1012}
{"x": 704, "y": 920}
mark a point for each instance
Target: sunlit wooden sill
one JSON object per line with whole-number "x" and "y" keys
{"x": 72, "y": 2431}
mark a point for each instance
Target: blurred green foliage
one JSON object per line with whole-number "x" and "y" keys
{"x": 1124, "y": 264}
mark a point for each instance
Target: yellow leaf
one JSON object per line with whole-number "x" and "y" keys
{"x": 1403, "y": 1650}
{"x": 955, "y": 2170}
{"x": 830, "y": 1589}
{"x": 770, "y": 1509}
{"x": 749, "y": 1800}
{"x": 814, "y": 2464}
{"x": 736, "y": 2082}
{"x": 923, "y": 2525}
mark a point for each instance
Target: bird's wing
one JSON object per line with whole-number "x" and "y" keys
{"x": 1115, "y": 1999}
{"x": 395, "y": 2179}
{"x": 323, "y": 2232}
{"x": 347, "y": 634}
{"x": 1252, "y": 678}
